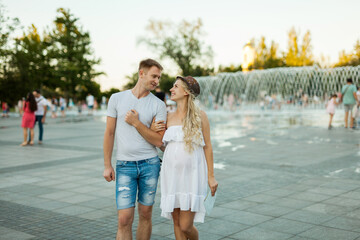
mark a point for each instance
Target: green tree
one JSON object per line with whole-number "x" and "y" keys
{"x": 231, "y": 68}
{"x": 299, "y": 54}
{"x": 9, "y": 82}
{"x": 350, "y": 59}
{"x": 181, "y": 43}
{"x": 72, "y": 56}
{"x": 266, "y": 57}
{"x": 32, "y": 60}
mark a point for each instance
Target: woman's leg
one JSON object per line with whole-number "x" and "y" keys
{"x": 187, "y": 225}
{"x": 31, "y": 136}
{"x": 179, "y": 235}
{"x": 25, "y": 131}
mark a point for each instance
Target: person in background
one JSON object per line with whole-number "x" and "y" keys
{"x": 330, "y": 108}
{"x": 349, "y": 98}
{"x": 40, "y": 113}
{"x": 90, "y": 103}
{"x": 28, "y": 118}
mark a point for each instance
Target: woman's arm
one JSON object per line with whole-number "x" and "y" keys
{"x": 157, "y": 127}
{"x": 213, "y": 184}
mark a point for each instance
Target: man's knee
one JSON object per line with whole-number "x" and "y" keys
{"x": 125, "y": 220}
{"x": 145, "y": 212}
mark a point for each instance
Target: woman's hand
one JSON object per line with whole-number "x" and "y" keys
{"x": 157, "y": 126}
{"x": 213, "y": 184}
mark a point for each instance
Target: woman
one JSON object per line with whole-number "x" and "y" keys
{"x": 188, "y": 160}
{"x": 28, "y": 119}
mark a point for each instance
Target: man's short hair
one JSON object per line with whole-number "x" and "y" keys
{"x": 37, "y": 91}
{"x": 148, "y": 63}
{"x": 349, "y": 80}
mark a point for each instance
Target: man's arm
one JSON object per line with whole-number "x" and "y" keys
{"x": 155, "y": 138}
{"x": 44, "y": 116}
{"x": 109, "y": 173}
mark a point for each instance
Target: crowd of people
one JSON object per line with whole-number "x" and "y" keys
{"x": 33, "y": 110}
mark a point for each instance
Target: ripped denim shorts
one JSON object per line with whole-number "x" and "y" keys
{"x": 136, "y": 177}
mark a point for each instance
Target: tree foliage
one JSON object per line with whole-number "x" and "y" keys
{"x": 58, "y": 61}
{"x": 267, "y": 57}
{"x": 350, "y": 59}
{"x": 182, "y": 44}
{"x": 299, "y": 54}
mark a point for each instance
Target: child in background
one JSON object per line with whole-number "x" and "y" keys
{"x": 330, "y": 108}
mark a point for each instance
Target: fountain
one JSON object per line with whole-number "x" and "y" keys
{"x": 286, "y": 85}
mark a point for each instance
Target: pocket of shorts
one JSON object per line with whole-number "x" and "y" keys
{"x": 120, "y": 163}
{"x": 154, "y": 160}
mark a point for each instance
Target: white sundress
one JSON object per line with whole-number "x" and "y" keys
{"x": 183, "y": 176}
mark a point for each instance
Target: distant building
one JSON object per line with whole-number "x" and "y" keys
{"x": 249, "y": 57}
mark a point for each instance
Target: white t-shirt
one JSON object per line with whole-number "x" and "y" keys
{"x": 41, "y": 102}
{"x": 131, "y": 146}
{"x": 90, "y": 100}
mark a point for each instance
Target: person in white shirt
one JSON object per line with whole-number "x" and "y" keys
{"x": 129, "y": 116}
{"x": 40, "y": 113}
{"x": 90, "y": 102}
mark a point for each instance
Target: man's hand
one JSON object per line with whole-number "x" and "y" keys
{"x": 109, "y": 174}
{"x": 43, "y": 119}
{"x": 132, "y": 117}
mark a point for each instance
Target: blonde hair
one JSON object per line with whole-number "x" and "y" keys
{"x": 192, "y": 122}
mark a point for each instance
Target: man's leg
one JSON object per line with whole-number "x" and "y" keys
{"x": 148, "y": 179}
{"x": 125, "y": 220}
{"x": 126, "y": 188}
{"x": 346, "y": 118}
{"x": 144, "y": 227}
{"x": 41, "y": 129}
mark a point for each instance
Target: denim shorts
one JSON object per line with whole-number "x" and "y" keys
{"x": 139, "y": 177}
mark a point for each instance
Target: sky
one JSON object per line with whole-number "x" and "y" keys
{"x": 116, "y": 25}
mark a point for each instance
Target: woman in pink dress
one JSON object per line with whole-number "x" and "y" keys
{"x": 28, "y": 119}
{"x": 330, "y": 108}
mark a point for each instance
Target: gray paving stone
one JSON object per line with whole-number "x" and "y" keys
{"x": 329, "y": 209}
{"x": 319, "y": 232}
{"x": 285, "y": 226}
{"x": 270, "y": 210}
{"x": 308, "y": 217}
{"x": 247, "y": 218}
{"x": 257, "y": 233}
{"x": 221, "y": 227}
{"x": 308, "y": 196}
{"x": 291, "y": 203}
{"x": 344, "y": 223}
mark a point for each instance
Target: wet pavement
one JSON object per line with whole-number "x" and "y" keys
{"x": 281, "y": 174}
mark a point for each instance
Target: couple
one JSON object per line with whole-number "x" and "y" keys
{"x": 137, "y": 118}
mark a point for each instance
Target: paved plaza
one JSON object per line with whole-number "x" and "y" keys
{"x": 282, "y": 175}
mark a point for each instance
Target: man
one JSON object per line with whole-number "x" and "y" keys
{"x": 40, "y": 113}
{"x": 130, "y": 114}
{"x": 349, "y": 99}
{"x": 90, "y": 103}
